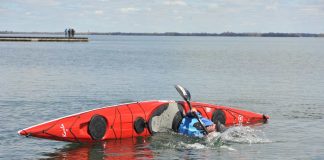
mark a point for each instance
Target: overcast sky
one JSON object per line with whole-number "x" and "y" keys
{"x": 214, "y": 16}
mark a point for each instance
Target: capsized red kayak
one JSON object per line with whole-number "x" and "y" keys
{"x": 133, "y": 120}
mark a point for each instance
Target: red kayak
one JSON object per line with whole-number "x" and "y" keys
{"x": 135, "y": 119}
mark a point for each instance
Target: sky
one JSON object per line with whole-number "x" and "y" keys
{"x": 186, "y": 16}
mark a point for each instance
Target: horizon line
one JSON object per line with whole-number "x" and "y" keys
{"x": 101, "y": 32}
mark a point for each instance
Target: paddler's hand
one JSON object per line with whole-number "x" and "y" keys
{"x": 191, "y": 113}
{"x": 211, "y": 128}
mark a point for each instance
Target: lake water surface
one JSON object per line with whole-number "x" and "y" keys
{"x": 281, "y": 77}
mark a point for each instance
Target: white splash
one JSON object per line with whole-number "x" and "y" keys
{"x": 213, "y": 137}
{"x": 196, "y": 146}
{"x": 228, "y": 148}
{"x": 241, "y": 134}
{"x": 216, "y": 140}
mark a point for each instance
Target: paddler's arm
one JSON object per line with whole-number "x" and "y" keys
{"x": 210, "y": 126}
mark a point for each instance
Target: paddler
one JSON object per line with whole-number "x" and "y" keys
{"x": 190, "y": 125}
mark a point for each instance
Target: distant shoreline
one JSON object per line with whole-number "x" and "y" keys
{"x": 224, "y": 34}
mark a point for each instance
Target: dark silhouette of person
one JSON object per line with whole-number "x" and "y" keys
{"x": 69, "y": 32}
{"x": 72, "y": 32}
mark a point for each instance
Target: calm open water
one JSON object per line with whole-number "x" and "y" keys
{"x": 281, "y": 77}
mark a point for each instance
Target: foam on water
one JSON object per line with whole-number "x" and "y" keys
{"x": 214, "y": 140}
{"x": 227, "y": 148}
{"x": 193, "y": 146}
{"x": 244, "y": 134}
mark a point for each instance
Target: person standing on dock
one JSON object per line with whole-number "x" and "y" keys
{"x": 66, "y": 32}
{"x": 72, "y": 32}
{"x": 69, "y": 32}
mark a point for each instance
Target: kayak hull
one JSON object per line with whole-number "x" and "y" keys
{"x": 129, "y": 120}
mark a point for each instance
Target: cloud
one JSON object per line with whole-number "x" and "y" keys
{"x": 99, "y": 12}
{"x": 2, "y": 10}
{"x": 213, "y": 6}
{"x": 148, "y": 9}
{"x": 272, "y": 7}
{"x": 175, "y": 3}
{"x": 312, "y": 10}
{"x": 179, "y": 18}
{"x": 128, "y": 10}
{"x": 43, "y": 3}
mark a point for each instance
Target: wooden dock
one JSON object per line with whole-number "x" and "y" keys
{"x": 44, "y": 39}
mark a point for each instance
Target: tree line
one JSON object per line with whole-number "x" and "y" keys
{"x": 224, "y": 34}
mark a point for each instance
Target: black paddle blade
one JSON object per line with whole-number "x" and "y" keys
{"x": 185, "y": 94}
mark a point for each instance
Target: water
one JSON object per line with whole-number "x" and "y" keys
{"x": 282, "y": 77}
